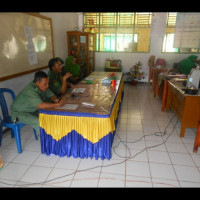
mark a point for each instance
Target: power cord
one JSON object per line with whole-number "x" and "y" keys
{"x": 159, "y": 134}
{"x": 126, "y": 158}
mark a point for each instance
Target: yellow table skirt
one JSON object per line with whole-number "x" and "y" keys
{"x": 91, "y": 128}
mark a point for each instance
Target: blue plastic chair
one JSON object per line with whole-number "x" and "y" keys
{"x": 7, "y": 122}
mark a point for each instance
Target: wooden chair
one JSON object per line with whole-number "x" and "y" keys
{"x": 151, "y": 64}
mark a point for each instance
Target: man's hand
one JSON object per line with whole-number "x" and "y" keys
{"x": 66, "y": 76}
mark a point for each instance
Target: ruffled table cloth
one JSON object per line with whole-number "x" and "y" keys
{"x": 87, "y": 131}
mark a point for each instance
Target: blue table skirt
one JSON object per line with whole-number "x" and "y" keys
{"x": 73, "y": 144}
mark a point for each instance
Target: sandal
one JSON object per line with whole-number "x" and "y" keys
{"x": 1, "y": 163}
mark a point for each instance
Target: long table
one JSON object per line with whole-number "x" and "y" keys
{"x": 86, "y": 131}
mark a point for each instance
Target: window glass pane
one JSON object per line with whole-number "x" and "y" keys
{"x": 108, "y": 19}
{"x": 126, "y": 32}
{"x": 168, "y": 43}
{"x": 125, "y": 19}
{"x": 107, "y": 42}
{"x": 143, "y": 19}
{"x": 91, "y": 20}
{"x": 124, "y": 42}
{"x": 143, "y": 37}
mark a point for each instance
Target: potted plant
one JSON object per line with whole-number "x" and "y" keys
{"x": 135, "y": 73}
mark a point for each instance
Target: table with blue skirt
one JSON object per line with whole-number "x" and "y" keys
{"x": 85, "y": 131}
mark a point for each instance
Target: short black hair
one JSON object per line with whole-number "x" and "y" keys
{"x": 60, "y": 59}
{"x": 39, "y": 75}
{"x": 52, "y": 62}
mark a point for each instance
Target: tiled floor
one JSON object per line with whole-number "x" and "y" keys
{"x": 140, "y": 157}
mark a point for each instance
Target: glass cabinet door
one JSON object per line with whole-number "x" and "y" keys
{"x": 73, "y": 46}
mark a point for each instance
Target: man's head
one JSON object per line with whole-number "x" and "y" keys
{"x": 55, "y": 65}
{"x": 41, "y": 80}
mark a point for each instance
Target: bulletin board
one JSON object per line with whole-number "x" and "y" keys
{"x": 26, "y": 44}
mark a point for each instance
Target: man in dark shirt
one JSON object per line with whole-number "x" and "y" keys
{"x": 57, "y": 81}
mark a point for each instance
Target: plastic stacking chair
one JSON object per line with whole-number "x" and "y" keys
{"x": 7, "y": 122}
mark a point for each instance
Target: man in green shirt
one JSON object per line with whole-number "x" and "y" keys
{"x": 57, "y": 81}
{"x": 72, "y": 67}
{"x": 36, "y": 95}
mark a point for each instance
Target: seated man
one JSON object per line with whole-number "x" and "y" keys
{"x": 72, "y": 67}
{"x": 36, "y": 95}
{"x": 57, "y": 81}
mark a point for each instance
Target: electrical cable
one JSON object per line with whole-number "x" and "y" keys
{"x": 126, "y": 158}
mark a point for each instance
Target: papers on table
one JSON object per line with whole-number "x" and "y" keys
{"x": 69, "y": 106}
{"x": 78, "y": 90}
{"x": 89, "y": 78}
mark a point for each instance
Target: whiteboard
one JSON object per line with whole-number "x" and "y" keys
{"x": 26, "y": 43}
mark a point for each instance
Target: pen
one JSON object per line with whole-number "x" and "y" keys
{"x": 59, "y": 99}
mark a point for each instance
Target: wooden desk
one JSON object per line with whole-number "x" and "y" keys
{"x": 86, "y": 131}
{"x": 186, "y": 107}
{"x": 163, "y": 90}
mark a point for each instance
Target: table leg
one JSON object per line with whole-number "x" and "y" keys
{"x": 164, "y": 100}
{"x": 182, "y": 133}
{"x": 197, "y": 139}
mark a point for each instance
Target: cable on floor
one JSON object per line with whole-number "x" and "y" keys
{"x": 126, "y": 158}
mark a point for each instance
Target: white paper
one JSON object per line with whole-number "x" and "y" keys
{"x": 78, "y": 90}
{"x": 69, "y": 106}
{"x": 32, "y": 55}
{"x": 89, "y": 78}
{"x": 28, "y": 33}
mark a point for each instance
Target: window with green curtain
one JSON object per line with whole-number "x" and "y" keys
{"x": 119, "y": 32}
{"x": 169, "y": 37}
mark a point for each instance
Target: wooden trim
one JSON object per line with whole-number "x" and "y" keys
{"x": 21, "y": 73}
{"x": 40, "y": 68}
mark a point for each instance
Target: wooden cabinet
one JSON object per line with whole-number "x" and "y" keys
{"x": 186, "y": 107}
{"x": 81, "y": 45}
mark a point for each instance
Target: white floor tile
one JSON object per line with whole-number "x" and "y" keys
{"x": 46, "y": 161}
{"x": 13, "y": 171}
{"x": 135, "y": 168}
{"x": 85, "y": 179}
{"x": 59, "y": 178}
{"x": 158, "y": 157}
{"x": 68, "y": 163}
{"x": 185, "y": 173}
{"x": 170, "y": 164}
{"x": 27, "y": 157}
{"x": 135, "y": 182}
{"x": 160, "y": 183}
{"x": 162, "y": 171}
{"x": 35, "y": 174}
{"x": 181, "y": 159}
{"x": 113, "y": 167}
{"x": 111, "y": 180}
